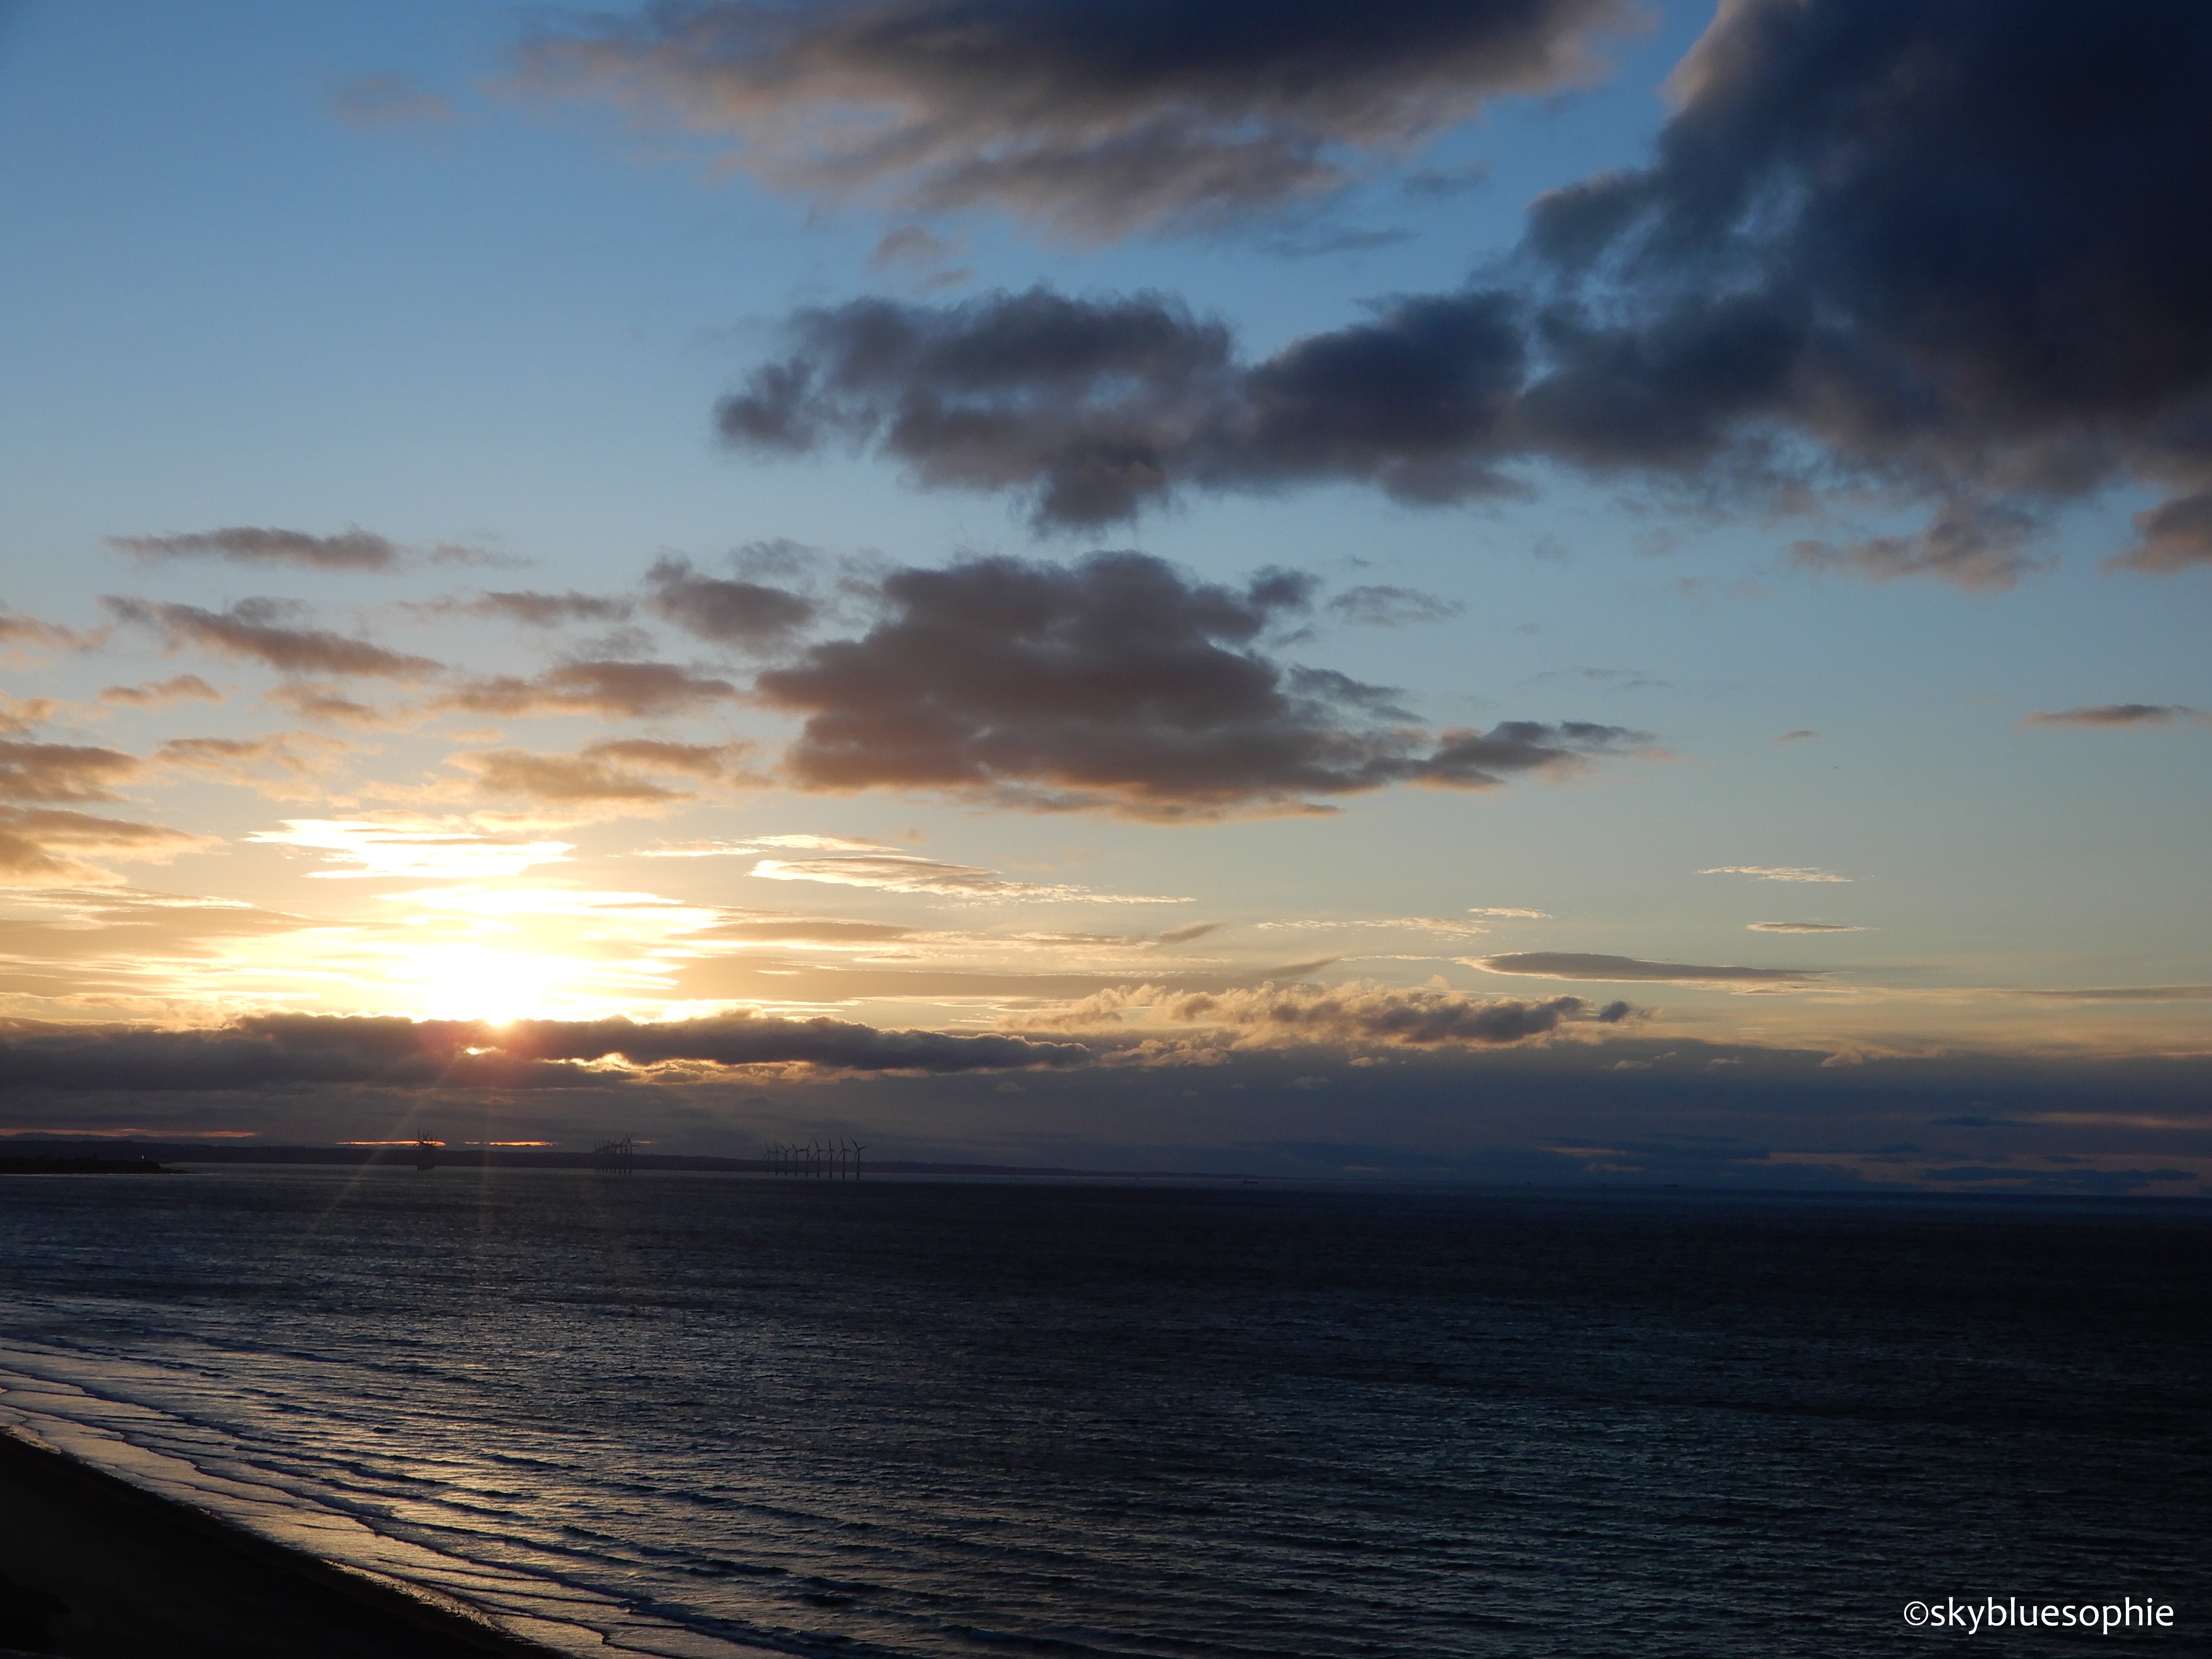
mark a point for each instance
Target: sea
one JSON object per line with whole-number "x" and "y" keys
{"x": 686, "y": 1414}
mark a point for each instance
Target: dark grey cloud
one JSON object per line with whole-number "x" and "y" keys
{"x": 1577, "y": 964}
{"x": 303, "y": 1050}
{"x": 1096, "y": 408}
{"x": 2117, "y": 714}
{"x": 1942, "y": 258}
{"x": 1092, "y": 119}
{"x": 619, "y": 689}
{"x": 257, "y": 630}
{"x": 1367, "y": 1013}
{"x": 751, "y": 616}
{"x": 350, "y": 549}
{"x": 1117, "y": 683}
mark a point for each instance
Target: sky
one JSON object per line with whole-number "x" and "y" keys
{"x": 1511, "y": 590}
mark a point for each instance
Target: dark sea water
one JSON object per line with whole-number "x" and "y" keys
{"x": 687, "y": 1415}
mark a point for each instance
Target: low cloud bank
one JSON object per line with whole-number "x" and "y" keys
{"x": 284, "y": 1050}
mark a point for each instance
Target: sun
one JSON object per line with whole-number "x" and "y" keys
{"x": 473, "y": 982}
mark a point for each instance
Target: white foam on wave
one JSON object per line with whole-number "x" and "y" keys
{"x": 118, "y": 1416}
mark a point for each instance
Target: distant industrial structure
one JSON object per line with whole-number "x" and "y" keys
{"x": 817, "y": 1160}
{"x": 615, "y": 1157}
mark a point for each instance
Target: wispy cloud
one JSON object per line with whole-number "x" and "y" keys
{"x": 623, "y": 689}
{"x": 384, "y": 101}
{"x": 258, "y": 630}
{"x": 46, "y": 846}
{"x": 153, "y": 693}
{"x": 1575, "y": 964}
{"x": 380, "y": 848}
{"x": 1774, "y": 872}
{"x": 1447, "y": 925}
{"x": 62, "y": 771}
{"x": 350, "y": 549}
{"x": 905, "y": 872}
{"x": 2120, "y": 714}
{"x": 1802, "y": 928}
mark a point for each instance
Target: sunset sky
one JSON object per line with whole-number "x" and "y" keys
{"x": 1524, "y": 590}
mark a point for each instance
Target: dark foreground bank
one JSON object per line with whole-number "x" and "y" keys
{"x": 93, "y": 1568}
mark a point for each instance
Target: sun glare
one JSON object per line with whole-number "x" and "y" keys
{"x": 468, "y": 982}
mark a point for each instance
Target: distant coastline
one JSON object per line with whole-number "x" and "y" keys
{"x": 158, "y": 1155}
{"x": 93, "y": 1164}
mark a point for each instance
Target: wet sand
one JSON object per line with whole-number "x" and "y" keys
{"x": 93, "y": 1568}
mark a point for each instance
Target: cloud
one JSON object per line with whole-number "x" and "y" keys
{"x": 61, "y": 772}
{"x": 905, "y": 872}
{"x": 327, "y": 703}
{"x": 923, "y": 260}
{"x": 1942, "y": 243}
{"x": 1800, "y": 927}
{"x": 1975, "y": 545}
{"x": 749, "y": 615}
{"x": 1351, "y": 1012}
{"x": 382, "y": 100}
{"x": 155, "y": 693}
{"x": 619, "y": 689}
{"x": 20, "y": 715}
{"x": 1575, "y": 964}
{"x": 280, "y": 1050}
{"x": 1513, "y": 914}
{"x": 620, "y": 771}
{"x": 2175, "y": 534}
{"x": 352, "y": 550}
{"x": 248, "y": 761}
{"x": 17, "y": 630}
{"x": 2129, "y": 993}
{"x": 1799, "y": 735}
{"x": 1099, "y": 409}
{"x": 1774, "y": 873}
{"x": 1445, "y": 925}
{"x": 253, "y": 629}
{"x": 548, "y": 610}
{"x": 1887, "y": 257}
{"x": 46, "y": 847}
{"x": 1116, "y": 684}
{"x": 803, "y": 930}
{"x": 418, "y": 848}
{"x": 2119, "y": 713}
{"x": 1392, "y": 607}
{"x": 1092, "y": 120}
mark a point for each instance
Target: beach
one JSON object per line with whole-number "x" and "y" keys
{"x": 95, "y": 1568}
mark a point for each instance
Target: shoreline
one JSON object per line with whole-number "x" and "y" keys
{"x": 92, "y": 1567}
